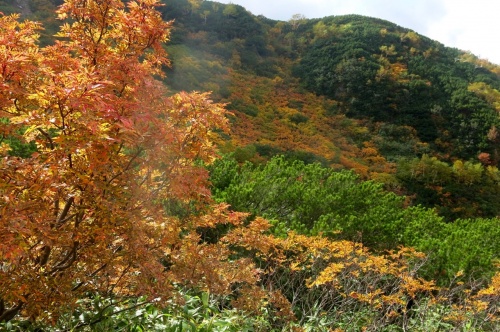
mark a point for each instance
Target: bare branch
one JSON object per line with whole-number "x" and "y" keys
{"x": 127, "y": 167}
{"x": 80, "y": 284}
{"x": 9, "y": 314}
{"x": 47, "y": 136}
{"x": 44, "y": 257}
{"x": 62, "y": 217}
{"x": 67, "y": 261}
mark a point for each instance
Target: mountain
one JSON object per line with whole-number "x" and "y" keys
{"x": 369, "y": 68}
{"x": 355, "y": 143}
{"x": 350, "y": 92}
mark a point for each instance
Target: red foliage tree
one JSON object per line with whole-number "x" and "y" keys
{"x": 85, "y": 213}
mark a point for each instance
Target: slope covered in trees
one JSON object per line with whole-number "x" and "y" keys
{"x": 107, "y": 217}
{"x": 351, "y": 92}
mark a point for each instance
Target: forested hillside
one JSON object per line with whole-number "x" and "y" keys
{"x": 359, "y": 142}
{"x": 351, "y": 92}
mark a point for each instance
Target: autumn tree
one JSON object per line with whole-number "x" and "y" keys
{"x": 85, "y": 212}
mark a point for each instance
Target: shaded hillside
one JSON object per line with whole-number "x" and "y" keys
{"x": 38, "y": 10}
{"x": 374, "y": 69}
{"x": 380, "y": 71}
{"x": 349, "y": 91}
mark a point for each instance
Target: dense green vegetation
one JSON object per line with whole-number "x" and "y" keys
{"x": 346, "y": 127}
{"x": 390, "y": 74}
{"x": 463, "y": 189}
{"x": 311, "y": 199}
{"x": 193, "y": 312}
{"x": 202, "y": 312}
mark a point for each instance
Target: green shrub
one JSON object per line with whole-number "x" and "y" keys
{"x": 312, "y": 199}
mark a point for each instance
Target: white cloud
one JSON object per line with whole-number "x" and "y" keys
{"x": 471, "y": 26}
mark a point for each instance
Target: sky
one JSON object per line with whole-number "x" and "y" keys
{"x": 470, "y": 25}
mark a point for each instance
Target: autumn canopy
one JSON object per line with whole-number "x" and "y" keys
{"x": 86, "y": 211}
